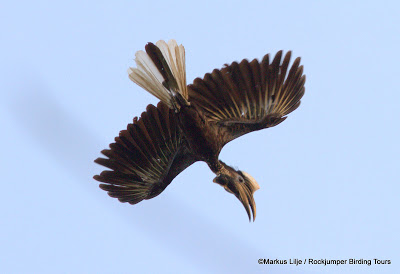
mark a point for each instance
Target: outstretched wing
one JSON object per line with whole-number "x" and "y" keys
{"x": 145, "y": 158}
{"x": 248, "y": 96}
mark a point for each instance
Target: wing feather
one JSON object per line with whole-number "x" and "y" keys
{"x": 247, "y": 96}
{"x": 145, "y": 157}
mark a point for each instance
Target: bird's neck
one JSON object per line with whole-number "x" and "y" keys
{"x": 218, "y": 167}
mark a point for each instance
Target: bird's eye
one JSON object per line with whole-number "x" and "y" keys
{"x": 240, "y": 179}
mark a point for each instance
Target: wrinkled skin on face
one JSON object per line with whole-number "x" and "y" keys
{"x": 240, "y": 184}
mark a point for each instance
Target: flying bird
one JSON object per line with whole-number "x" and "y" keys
{"x": 194, "y": 122}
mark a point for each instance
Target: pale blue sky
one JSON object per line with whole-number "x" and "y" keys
{"x": 329, "y": 174}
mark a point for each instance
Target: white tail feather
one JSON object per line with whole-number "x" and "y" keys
{"x": 175, "y": 57}
{"x": 148, "y": 77}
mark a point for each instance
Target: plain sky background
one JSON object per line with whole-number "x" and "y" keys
{"x": 329, "y": 174}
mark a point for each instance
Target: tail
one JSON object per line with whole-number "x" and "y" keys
{"x": 161, "y": 71}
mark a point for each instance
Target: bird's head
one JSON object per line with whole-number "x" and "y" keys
{"x": 241, "y": 184}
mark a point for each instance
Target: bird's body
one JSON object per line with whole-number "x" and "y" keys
{"x": 193, "y": 123}
{"x": 200, "y": 134}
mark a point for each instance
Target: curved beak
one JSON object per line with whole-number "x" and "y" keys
{"x": 242, "y": 190}
{"x": 252, "y": 204}
{"x": 245, "y": 196}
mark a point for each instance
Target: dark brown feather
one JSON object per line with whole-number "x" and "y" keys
{"x": 146, "y": 157}
{"x": 158, "y": 59}
{"x": 248, "y": 96}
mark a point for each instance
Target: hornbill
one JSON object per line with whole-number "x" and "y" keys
{"x": 193, "y": 123}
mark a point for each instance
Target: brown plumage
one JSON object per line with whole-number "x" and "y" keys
{"x": 193, "y": 123}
